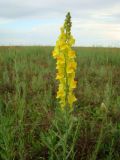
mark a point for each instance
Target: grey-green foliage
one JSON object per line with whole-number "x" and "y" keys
{"x": 7, "y": 133}
{"x": 61, "y": 138}
{"x": 31, "y": 127}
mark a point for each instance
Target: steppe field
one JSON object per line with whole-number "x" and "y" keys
{"x": 32, "y": 126}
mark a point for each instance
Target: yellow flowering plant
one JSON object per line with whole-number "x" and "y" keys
{"x": 65, "y": 65}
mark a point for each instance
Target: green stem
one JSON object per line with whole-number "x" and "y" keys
{"x": 66, "y": 83}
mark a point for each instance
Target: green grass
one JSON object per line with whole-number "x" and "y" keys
{"x": 31, "y": 125}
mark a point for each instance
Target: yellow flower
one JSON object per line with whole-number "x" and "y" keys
{"x": 71, "y": 67}
{"x": 71, "y": 54}
{"x": 60, "y": 93}
{"x": 73, "y": 84}
{"x": 64, "y": 47}
{"x": 71, "y": 99}
{"x": 61, "y": 59}
{"x": 59, "y": 76}
{"x": 72, "y": 40}
{"x": 54, "y": 54}
{"x": 65, "y": 65}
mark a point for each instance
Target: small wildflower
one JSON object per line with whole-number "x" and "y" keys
{"x": 103, "y": 108}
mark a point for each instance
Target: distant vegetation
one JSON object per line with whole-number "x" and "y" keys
{"x": 31, "y": 124}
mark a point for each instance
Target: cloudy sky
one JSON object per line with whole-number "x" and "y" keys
{"x": 37, "y": 22}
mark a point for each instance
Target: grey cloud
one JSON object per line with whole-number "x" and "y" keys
{"x": 51, "y": 8}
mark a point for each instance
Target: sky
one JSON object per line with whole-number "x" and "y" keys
{"x": 38, "y": 22}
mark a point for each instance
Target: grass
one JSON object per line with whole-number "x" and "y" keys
{"x": 32, "y": 127}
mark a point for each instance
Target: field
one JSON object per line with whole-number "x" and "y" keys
{"x": 32, "y": 127}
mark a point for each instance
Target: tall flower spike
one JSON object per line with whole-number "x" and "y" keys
{"x": 65, "y": 65}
